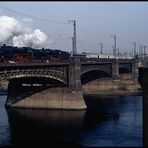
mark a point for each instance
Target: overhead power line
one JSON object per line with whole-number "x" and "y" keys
{"x": 83, "y": 30}
{"x": 97, "y": 35}
{"x": 42, "y": 19}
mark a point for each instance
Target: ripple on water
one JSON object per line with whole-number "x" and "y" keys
{"x": 118, "y": 123}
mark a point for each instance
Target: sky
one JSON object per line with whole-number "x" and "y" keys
{"x": 96, "y": 22}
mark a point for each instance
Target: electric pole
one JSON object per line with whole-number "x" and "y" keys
{"x": 144, "y": 50}
{"x": 141, "y": 50}
{"x": 118, "y": 51}
{"x": 114, "y": 49}
{"x": 101, "y": 48}
{"x": 74, "y": 46}
{"x": 134, "y": 48}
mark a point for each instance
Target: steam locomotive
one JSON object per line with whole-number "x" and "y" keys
{"x": 12, "y": 54}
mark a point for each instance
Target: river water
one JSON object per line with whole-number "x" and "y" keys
{"x": 112, "y": 121}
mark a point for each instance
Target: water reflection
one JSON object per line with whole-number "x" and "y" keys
{"x": 45, "y": 127}
{"x": 101, "y": 109}
{"x": 113, "y": 121}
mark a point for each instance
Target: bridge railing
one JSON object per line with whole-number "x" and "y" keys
{"x": 29, "y": 64}
{"x": 95, "y": 60}
{"x": 104, "y": 60}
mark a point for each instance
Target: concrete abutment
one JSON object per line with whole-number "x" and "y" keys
{"x": 53, "y": 98}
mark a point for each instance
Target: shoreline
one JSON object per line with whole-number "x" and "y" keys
{"x": 125, "y": 85}
{"x": 105, "y": 94}
{"x": 112, "y": 94}
{"x": 3, "y": 92}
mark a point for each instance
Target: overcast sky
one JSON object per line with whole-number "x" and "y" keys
{"x": 95, "y": 21}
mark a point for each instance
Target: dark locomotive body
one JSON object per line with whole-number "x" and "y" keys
{"x": 10, "y": 54}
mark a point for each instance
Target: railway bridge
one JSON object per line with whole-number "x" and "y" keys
{"x": 58, "y": 85}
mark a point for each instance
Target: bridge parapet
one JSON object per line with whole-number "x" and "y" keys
{"x": 104, "y": 60}
{"x": 30, "y": 64}
{"x": 94, "y": 60}
{"x": 125, "y": 60}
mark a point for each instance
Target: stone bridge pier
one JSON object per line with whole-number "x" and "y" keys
{"x": 115, "y": 69}
{"x": 135, "y": 66}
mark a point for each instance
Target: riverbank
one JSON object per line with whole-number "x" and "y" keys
{"x": 124, "y": 85}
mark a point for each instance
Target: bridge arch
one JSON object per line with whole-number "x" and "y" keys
{"x": 123, "y": 70}
{"x": 94, "y": 74}
{"x": 35, "y": 73}
{"x": 95, "y": 69}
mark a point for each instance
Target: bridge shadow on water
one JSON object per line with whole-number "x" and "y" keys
{"x": 46, "y": 127}
{"x": 39, "y": 127}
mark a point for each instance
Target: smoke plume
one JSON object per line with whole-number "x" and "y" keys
{"x": 16, "y": 34}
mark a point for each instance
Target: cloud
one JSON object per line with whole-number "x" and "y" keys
{"x": 15, "y": 33}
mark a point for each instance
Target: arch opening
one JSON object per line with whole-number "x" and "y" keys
{"x": 93, "y": 75}
{"x": 123, "y": 70}
{"x": 20, "y": 88}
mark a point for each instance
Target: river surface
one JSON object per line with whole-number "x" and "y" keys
{"x": 113, "y": 121}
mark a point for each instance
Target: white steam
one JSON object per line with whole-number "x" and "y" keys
{"x": 35, "y": 39}
{"x": 14, "y": 33}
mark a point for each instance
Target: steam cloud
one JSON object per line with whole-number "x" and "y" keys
{"x": 14, "y": 33}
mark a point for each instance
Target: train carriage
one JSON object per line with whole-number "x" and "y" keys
{"x": 27, "y": 54}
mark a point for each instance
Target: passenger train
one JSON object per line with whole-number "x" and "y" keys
{"x": 103, "y": 56}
